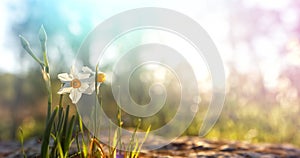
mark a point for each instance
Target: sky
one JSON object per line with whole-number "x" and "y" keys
{"x": 245, "y": 32}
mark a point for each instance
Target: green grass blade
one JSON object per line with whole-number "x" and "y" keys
{"x": 77, "y": 140}
{"x": 49, "y": 110}
{"x": 60, "y": 151}
{"x": 68, "y": 140}
{"x": 134, "y": 152}
{"x": 60, "y": 121}
{"x": 21, "y": 137}
{"x": 84, "y": 147}
{"x": 66, "y": 120}
{"x": 54, "y": 148}
{"x": 129, "y": 148}
{"x": 114, "y": 143}
{"x": 64, "y": 127}
{"x": 46, "y": 137}
{"x": 140, "y": 147}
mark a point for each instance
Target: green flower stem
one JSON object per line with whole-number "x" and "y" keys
{"x": 120, "y": 122}
{"x": 46, "y": 75}
{"x": 44, "y": 65}
{"x": 46, "y": 70}
{"x": 60, "y": 100}
{"x": 99, "y": 99}
{"x": 47, "y": 80}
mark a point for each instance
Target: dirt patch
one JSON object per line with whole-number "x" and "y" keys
{"x": 182, "y": 147}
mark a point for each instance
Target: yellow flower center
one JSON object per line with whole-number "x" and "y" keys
{"x": 101, "y": 77}
{"x": 75, "y": 83}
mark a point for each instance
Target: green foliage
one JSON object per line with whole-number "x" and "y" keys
{"x": 134, "y": 147}
{"x": 62, "y": 133}
{"x": 253, "y": 123}
{"x": 58, "y": 125}
{"x": 81, "y": 147}
{"x": 61, "y": 129}
{"x": 47, "y": 133}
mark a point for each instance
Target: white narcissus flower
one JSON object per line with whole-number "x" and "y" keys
{"x": 101, "y": 77}
{"x": 91, "y": 80}
{"x": 77, "y": 83}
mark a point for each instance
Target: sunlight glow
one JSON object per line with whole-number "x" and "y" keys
{"x": 166, "y": 38}
{"x": 5, "y": 54}
{"x": 293, "y": 52}
{"x": 160, "y": 74}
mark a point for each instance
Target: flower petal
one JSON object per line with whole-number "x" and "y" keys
{"x": 82, "y": 76}
{"x": 91, "y": 79}
{"x": 64, "y": 90}
{"x": 75, "y": 95}
{"x": 90, "y": 90}
{"x": 64, "y": 77}
{"x": 83, "y": 87}
{"x": 87, "y": 70}
{"x": 73, "y": 70}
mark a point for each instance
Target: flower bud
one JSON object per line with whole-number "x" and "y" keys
{"x": 42, "y": 35}
{"x": 101, "y": 77}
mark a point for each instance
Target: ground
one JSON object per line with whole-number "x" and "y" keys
{"x": 182, "y": 147}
